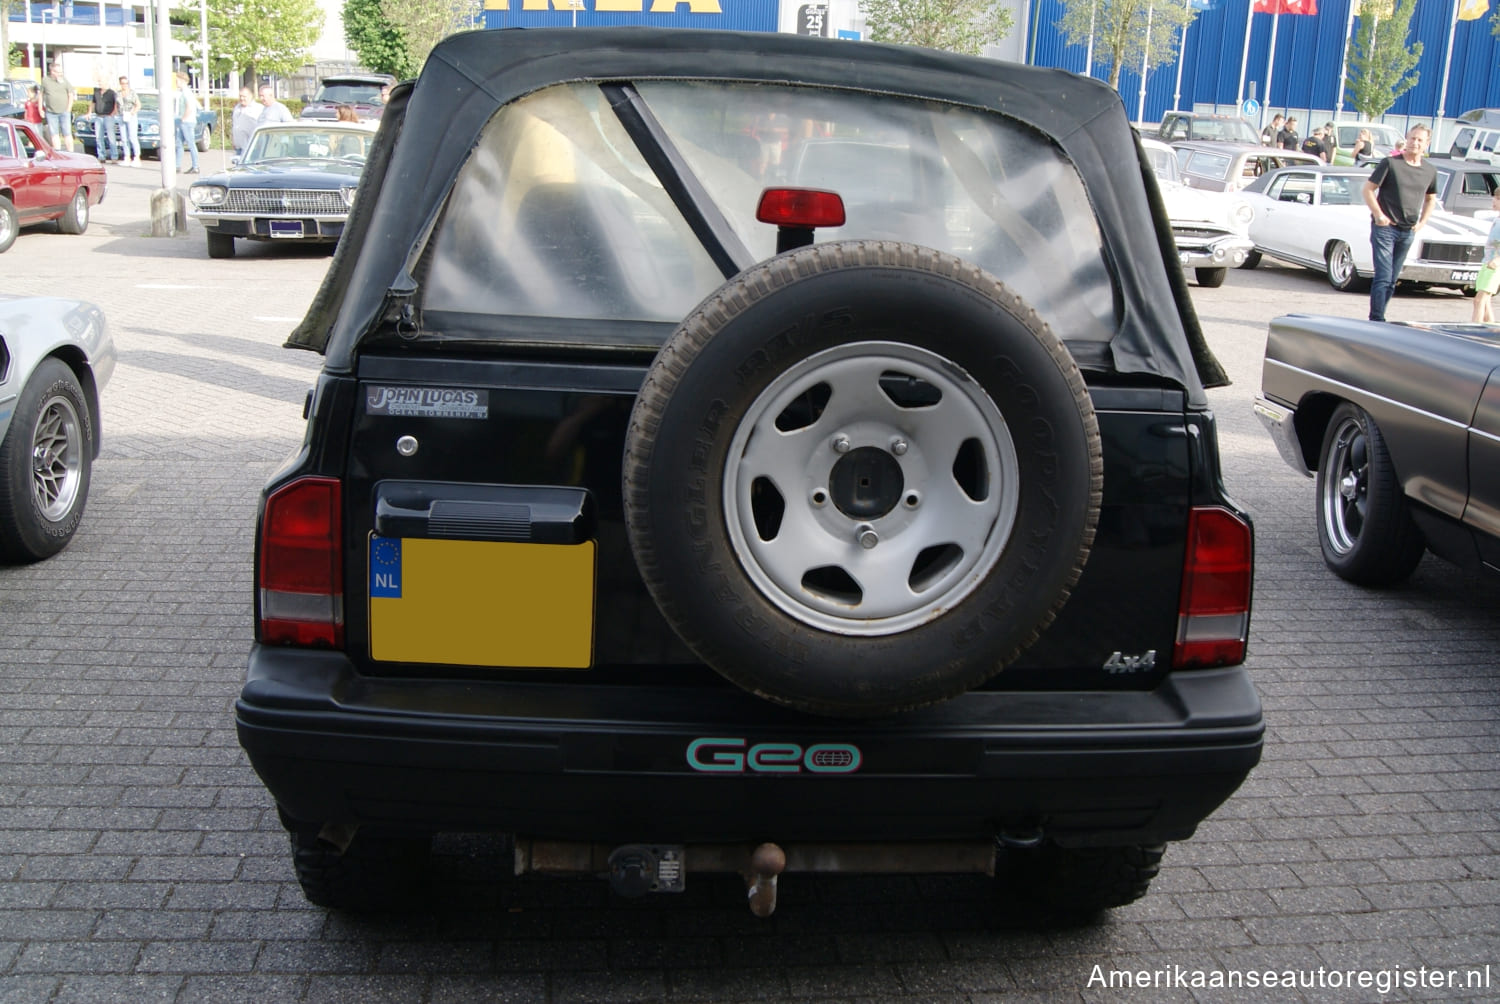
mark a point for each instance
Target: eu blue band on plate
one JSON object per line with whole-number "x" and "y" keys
{"x": 385, "y": 567}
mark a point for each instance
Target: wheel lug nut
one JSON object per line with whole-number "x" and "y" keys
{"x": 898, "y": 446}
{"x": 840, "y": 444}
{"x": 913, "y": 500}
{"x": 866, "y": 536}
{"x": 819, "y": 497}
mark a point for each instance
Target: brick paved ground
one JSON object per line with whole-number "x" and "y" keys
{"x": 141, "y": 860}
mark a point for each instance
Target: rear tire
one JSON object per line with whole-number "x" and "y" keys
{"x": 205, "y": 139}
{"x": 1364, "y": 521}
{"x": 1211, "y": 278}
{"x": 10, "y": 224}
{"x": 1075, "y": 884}
{"x": 1342, "y": 275}
{"x": 220, "y": 245}
{"x": 75, "y": 219}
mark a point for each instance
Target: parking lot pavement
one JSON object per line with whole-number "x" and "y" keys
{"x": 140, "y": 858}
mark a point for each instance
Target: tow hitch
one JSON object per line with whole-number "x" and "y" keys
{"x": 637, "y": 869}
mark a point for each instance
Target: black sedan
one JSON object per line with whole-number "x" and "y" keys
{"x": 296, "y": 182}
{"x": 1400, "y": 424}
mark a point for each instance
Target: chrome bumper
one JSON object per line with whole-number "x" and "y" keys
{"x": 1228, "y": 251}
{"x": 1278, "y": 420}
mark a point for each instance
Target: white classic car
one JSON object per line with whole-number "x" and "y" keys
{"x": 1315, "y": 216}
{"x": 1210, "y": 228}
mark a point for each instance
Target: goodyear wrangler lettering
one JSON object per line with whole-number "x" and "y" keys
{"x": 731, "y": 756}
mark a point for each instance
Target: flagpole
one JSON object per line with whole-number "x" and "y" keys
{"x": 1140, "y": 114}
{"x": 1447, "y": 65}
{"x": 1182, "y": 58}
{"x": 1271, "y": 59}
{"x": 1088, "y": 56}
{"x": 1239, "y": 95}
{"x": 1338, "y": 108}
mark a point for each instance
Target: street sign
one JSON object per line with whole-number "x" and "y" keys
{"x": 1250, "y": 108}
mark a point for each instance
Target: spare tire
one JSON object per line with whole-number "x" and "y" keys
{"x": 861, "y": 477}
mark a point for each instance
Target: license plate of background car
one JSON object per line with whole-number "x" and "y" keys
{"x": 482, "y": 603}
{"x": 1464, "y": 276}
{"x": 286, "y": 228}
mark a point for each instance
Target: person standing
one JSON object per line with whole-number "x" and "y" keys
{"x": 106, "y": 123}
{"x": 1488, "y": 282}
{"x": 243, "y": 120}
{"x": 33, "y": 109}
{"x": 57, "y": 105}
{"x": 1364, "y": 146}
{"x": 1314, "y": 144}
{"x": 128, "y": 104}
{"x": 1401, "y": 193}
{"x": 1330, "y": 141}
{"x": 1269, "y": 133}
{"x": 187, "y": 121}
{"x": 272, "y": 110}
{"x": 1287, "y": 138}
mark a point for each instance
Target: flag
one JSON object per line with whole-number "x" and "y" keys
{"x": 1267, "y": 6}
{"x": 1472, "y": 10}
{"x": 1303, "y": 6}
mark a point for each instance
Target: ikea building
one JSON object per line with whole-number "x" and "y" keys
{"x": 1216, "y": 68}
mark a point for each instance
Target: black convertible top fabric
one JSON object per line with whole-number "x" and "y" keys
{"x": 430, "y": 127}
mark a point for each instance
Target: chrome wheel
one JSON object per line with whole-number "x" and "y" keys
{"x": 57, "y": 459}
{"x": 1346, "y": 485}
{"x": 870, "y": 488}
{"x": 8, "y": 226}
{"x": 1341, "y": 273}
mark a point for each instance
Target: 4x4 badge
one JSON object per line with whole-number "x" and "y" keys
{"x": 729, "y": 756}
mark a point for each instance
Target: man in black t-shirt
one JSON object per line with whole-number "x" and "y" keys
{"x": 1314, "y": 144}
{"x": 106, "y": 124}
{"x": 1287, "y": 139}
{"x": 1401, "y": 194}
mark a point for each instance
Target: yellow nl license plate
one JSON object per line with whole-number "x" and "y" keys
{"x": 482, "y": 603}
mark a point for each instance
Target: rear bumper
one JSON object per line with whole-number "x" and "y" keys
{"x": 706, "y": 763}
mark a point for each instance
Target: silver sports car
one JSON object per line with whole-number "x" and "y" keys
{"x": 55, "y": 357}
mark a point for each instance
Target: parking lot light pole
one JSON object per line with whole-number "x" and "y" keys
{"x": 164, "y": 200}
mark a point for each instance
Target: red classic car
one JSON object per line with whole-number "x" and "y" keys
{"x": 39, "y": 183}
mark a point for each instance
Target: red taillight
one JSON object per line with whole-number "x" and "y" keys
{"x": 1213, "y": 615}
{"x": 301, "y": 577}
{"x": 800, "y": 207}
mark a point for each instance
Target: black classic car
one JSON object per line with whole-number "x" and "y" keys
{"x": 656, "y": 512}
{"x": 1400, "y": 426}
{"x": 295, "y": 182}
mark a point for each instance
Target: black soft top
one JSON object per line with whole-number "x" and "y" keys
{"x": 431, "y": 125}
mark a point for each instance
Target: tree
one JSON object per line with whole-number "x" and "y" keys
{"x": 1127, "y": 32}
{"x": 261, "y": 36}
{"x": 955, "y": 25}
{"x": 1381, "y": 65}
{"x": 395, "y": 36}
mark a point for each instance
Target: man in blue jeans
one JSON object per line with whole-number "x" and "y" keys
{"x": 1401, "y": 194}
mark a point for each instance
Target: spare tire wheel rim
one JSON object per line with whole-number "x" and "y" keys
{"x": 884, "y": 510}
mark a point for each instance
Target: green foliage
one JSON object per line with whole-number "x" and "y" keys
{"x": 1382, "y": 67}
{"x": 955, "y": 25}
{"x": 1120, "y": 31}
{"x": 395, "y": 36}
{"x": 261, "y": 36}
{"x": 379, "y": 44}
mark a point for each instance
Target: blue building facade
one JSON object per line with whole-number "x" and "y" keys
{"x": 729, "y": 15}
{"x": 1309, "y": 55}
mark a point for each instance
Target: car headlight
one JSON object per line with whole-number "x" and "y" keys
{"x": 1242, "y": 213}
{"x": 208, "y": 195}
{"x": 150, "y": 128}
{"x": 348, "y": 194}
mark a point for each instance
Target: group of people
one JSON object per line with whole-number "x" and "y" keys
{"x": 1323, "y": 143}
{"x": 248, "y": 115}
{"x": 116, "y": 116}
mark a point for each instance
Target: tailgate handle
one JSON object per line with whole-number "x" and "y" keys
{"x": 527, "y": 515}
